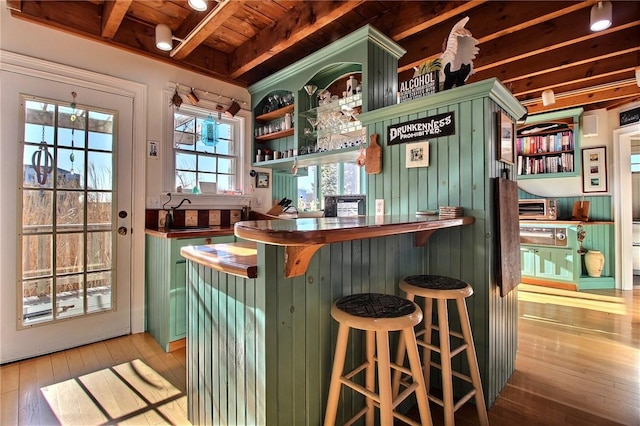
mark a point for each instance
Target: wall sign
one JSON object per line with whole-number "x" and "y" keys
{"x": 422, "y": 128}
{"x": 631, "y": 116}
{"x": 420, "y": 86}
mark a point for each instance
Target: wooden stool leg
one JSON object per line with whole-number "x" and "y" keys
{"x": 426, "y": 337}
{"x": 472, "y": 360}
{"x": 370, "y": 379}
{"x": 384, "y": 378}
{"x": 416, "y": 371}
{"x": 397, "y": 374}
{"x": 338, "y": 366}
{"x": 445, "y": 361}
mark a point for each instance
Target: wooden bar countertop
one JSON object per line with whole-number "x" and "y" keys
{"x": 190, "y": 232}
{"x": 303, "y": 237}
{"x": 232, "y": 258}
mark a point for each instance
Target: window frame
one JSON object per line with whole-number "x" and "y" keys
{"x": 202, "y": 110}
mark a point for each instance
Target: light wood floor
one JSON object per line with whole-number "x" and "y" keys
{"x": 578, "y": 363}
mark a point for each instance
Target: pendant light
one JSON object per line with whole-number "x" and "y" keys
{"x": 548, "y": 97}
{"x": 600, "y": 16}
{"x": 199, "y": 5}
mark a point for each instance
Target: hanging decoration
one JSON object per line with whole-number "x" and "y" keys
{"x": 73, "y": 118}
{"x": 42, "y": 160}
{"x": 209, "y": 131}
{"x": 176, "y": 99}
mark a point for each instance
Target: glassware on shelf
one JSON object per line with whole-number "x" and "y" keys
{"x": 314, "y": 121}
{"x": 310, "y": 89}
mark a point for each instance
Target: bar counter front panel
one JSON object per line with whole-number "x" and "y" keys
{"x": 260, "y": 350}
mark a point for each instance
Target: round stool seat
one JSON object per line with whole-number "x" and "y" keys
{"x": 374, "y": 311}
{"x": 436, "y": 287}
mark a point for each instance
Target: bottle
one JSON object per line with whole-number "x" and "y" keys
{"x": 352, "y": 85}
{"x": 287, "y": 121}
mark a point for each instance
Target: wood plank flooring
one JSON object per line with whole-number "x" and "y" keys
{"x": 578, "y": 363}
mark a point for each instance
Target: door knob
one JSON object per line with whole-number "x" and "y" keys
{"x": 122, "y": 230}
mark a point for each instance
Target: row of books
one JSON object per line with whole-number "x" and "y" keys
{"x": 548, "y": 164}
{"x": 562, "y": 141}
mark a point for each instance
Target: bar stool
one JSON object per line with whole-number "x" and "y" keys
{"x": 377, "y": 315}
{"x": 442, "y": 289}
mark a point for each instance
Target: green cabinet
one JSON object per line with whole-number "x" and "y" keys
{"x": 548, "y": 263}
{"x": 165, "y": 292}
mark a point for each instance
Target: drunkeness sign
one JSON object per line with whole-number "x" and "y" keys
{"x": 422, "y": 128}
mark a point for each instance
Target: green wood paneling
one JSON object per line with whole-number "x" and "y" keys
{"x": 165, "y": 286}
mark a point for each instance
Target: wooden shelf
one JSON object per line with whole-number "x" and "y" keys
{"x": 275, "y": 114}
{"x": 542, "y": 154}
{"x": 275, "y": 135}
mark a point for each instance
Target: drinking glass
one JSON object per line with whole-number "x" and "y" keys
{"x": 310, "y": 89}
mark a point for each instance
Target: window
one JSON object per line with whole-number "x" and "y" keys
{"x": 214, "y": 158}
{"x": 66, "y": 239}
{"x": 635, "y": 163}
{"x": 328, "y": 179}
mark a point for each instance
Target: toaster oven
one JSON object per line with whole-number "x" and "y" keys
{"x": 537, "y": 209}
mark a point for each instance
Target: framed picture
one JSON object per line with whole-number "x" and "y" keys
{"x": 594, "y": 169}
{"x": 153, "y": 150}
{"x": 262, "y": 180}
{"x": 417, "y": 154}
{"x": 506, "y": 139}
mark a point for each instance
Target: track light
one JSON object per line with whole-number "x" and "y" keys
{"x": 548, "y": 97}
{"x": 601, "y": 16}
{"x": 164, "y": 38}
{"x": 199, "y": 5}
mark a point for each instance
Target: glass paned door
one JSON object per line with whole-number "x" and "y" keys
{"x": 68, "y": 210}
{"x": 67, "y": 248}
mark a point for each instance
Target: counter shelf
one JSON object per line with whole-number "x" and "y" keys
{"x": 303, "y": 237}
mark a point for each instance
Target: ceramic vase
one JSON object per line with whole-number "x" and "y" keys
{"x": 594, "y": 261}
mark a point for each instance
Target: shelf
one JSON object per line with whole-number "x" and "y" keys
{"x": 342, "y": 104}
{"x": 542, "y": 154}
{"x": 275, "y": 114}
{"x": 325, "y": 157}
{"x": 275, "y": 135}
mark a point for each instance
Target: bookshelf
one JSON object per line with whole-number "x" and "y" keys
{"x": 548, "y": 148}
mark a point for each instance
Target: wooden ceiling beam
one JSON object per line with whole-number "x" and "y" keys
{"x": 607, "y": 46}
{"x": 486, "y": 23}
{"x": 113, "y": 13}
{"x": 14, "y": 5}
{"x": 302, "y": 21}
{"x": 624, "y": 91}
{"x": 211, "y": 22}
{"x": 552, "y": 35}
{"x": 584, "y": 74}
{"x": 421, "y": 16}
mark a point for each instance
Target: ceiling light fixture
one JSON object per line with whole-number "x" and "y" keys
{"x": 199, "y": 5}
{"x": 164, "y": 37}
{"x": 601, "y": 16}
{"x": 548, "y": 97}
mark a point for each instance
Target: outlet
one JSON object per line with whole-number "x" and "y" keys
{"x": 258, "y": 201}
{"x": 379, "y": 207}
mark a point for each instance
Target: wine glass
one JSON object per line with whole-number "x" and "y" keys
{"x": 313, "y": 121}
{"x": 310, "y": 89}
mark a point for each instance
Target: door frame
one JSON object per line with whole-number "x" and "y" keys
{"x": 622, "y": 204}
{"x": 39, "y": 68}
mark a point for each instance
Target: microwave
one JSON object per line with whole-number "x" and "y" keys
{"x": 537, "y": 209}
{"x": 345, "y": 205}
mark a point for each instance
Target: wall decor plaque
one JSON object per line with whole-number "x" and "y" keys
{"x": 422, "y": 128}
{"x": 419, "y": 86}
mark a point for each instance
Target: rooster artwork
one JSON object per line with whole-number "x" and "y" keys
{"x": 455, "y": 64}
{"x": 460, "y": 49}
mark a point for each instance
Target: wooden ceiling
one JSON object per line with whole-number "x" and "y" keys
{"x": 529, "y": 45}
